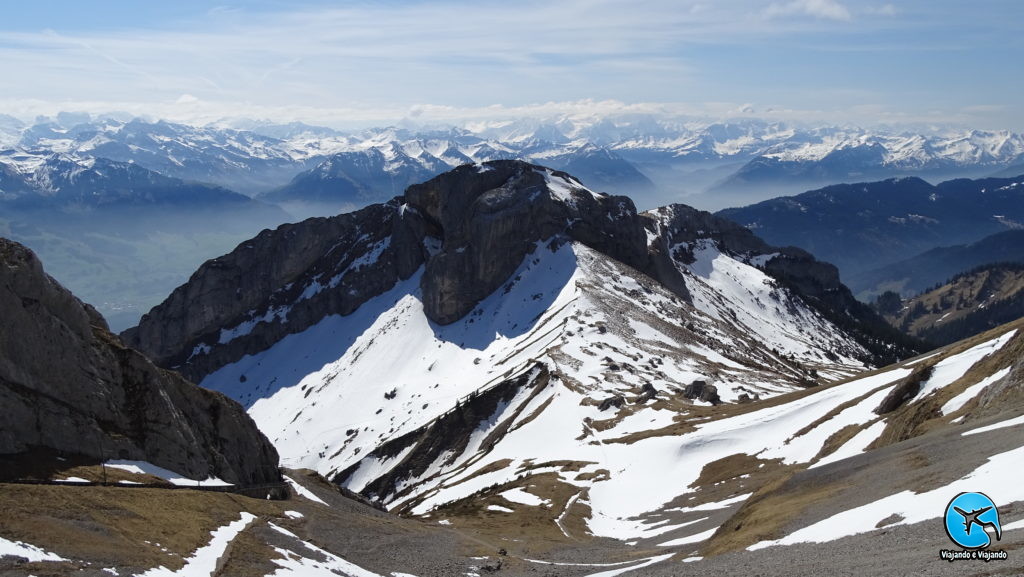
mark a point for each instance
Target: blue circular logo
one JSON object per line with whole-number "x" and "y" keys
{"x": 970, "y": 518}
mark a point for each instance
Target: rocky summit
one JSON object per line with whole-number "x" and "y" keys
{"x": 70, "y": 388}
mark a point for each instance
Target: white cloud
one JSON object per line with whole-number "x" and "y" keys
{"x": 201, "y": 112}
{"x": 825, "y": 9}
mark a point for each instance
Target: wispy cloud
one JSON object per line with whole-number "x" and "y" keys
{"x": 827, "y": 9}
{"x": 441, "y": 51}
{"x": 372, "y": 59}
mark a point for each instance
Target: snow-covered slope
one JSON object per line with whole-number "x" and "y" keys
{"x": 574, "y": 377}
{"x": 571, "y": 330}
{"x": 891, "y": 463}
{"x": 661, "y": 472}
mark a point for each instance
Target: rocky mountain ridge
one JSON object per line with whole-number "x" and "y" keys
{"x": 392, "y": 348}
{"x": 69, "y": 387}
{"x": 470, "y": 228}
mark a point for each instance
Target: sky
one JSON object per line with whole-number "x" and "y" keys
{"x": 348, "y": 64}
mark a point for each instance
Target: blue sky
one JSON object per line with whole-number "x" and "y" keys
{"x": 352, "y": 63}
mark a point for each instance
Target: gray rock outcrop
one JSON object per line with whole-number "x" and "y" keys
{"x": 68, "y": 385}
{"x": 701, "y": 390}
{"x": 617, "y": 401}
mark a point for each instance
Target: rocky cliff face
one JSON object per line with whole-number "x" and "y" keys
{"x": 490, "y": 216}
{"x": 469, "y": 229}
{"x": 68, "y": 384}
{"x": 278, "y": 283}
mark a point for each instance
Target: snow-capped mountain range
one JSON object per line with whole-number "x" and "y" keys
{"x": 657, "y": 160}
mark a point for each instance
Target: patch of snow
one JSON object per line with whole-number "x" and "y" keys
{"x": 564, "y": 564}
{"x": 644, "y": 563}
{"x": 920, "y": 359}
{"x": 292, "y": 564}
{"x": 246, "y": 327}
{"x": 855, "y": 446}
{"x": 704, "y": 536}
{"x": 30, "y": 552}
{"x": 562, "y": 188}
{"x": 146, "y": 468}
{"x": 953, "y": 405}
{"x": 499, "y": 509}
{"x": 521, "y": 496}
{"x": 304, "y": 492}
{"x": 561, "y": 518}
{"x": 650, "y": 534}
{"x": 1000, "y": 425}
{"x": 713, "y": 506}
{"x": 954, "y": 367}
{"x": 762, "y": 259}
{"x": 203, "y": 561}
{"x": 645, "y": 331}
